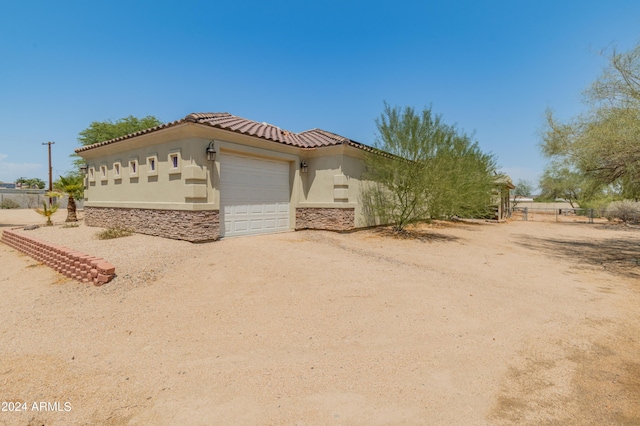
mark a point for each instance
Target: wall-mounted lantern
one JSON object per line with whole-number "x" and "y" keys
{"x": 84, "y": 168}
{"x": 304, "y": 167}
{"x": 211, "y": 152}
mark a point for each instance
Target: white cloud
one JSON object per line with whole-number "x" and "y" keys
{"x": 9, "y": 172}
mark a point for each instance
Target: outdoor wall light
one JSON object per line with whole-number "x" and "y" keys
{"x": 84, "y": 168}
{"x": 211, "y": 152}
{"x": 304, "y": 167}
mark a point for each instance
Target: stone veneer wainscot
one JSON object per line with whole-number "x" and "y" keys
{"x": 330, "y": 219}
{"x": 194, "y": 226}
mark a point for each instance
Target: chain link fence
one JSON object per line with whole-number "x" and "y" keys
{"x": 568, "y": 215}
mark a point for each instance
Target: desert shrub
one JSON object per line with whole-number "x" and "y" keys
{"x": 9, "y": 204}
{"x": 625, "y": 210}
{"x": 70, "y": 225}
{"x": 115, "y": 232}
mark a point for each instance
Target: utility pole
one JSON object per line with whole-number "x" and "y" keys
{"x": 50, "y": 170}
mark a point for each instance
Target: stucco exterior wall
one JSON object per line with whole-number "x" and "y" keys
{"x": 333, "y": 179}
{"x": 185, "y": 187}
{"x": 335, "y": 182}
{"x": 353, "y": 168}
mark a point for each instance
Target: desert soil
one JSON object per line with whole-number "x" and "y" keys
{"x": 522, "y": 323}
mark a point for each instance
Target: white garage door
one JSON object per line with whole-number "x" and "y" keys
{"x": 254, "y": 196}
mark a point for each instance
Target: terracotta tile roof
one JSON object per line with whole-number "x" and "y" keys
{"x": 313, "y": 138}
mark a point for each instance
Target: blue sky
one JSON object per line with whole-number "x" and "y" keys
{"x": 491, "y": 67}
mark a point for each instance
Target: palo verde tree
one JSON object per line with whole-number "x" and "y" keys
{"x": 523, "y": 188}
{"x": 603, "y": 144}
{"x": 560, "y": 181}
{"x": 100, "y": 131}
{"x": 422, "y": 168}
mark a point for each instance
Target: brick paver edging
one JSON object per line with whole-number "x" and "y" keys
{"x": 72, "y": 263}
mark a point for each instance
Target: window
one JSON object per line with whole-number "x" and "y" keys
{"x": 117, "y": 170}
{"x": 174, "y": 162}
{"x": 152, "y": 165}
{"x": 133, "y": 167}
{"x": 103, "y": 172}
{"x": 92, "y": 174}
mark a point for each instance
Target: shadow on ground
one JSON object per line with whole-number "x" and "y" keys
{"x": 617, "y": 256}
{"x": 423, "y": 235}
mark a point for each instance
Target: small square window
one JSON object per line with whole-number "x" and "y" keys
{"x": 117, "y": 170}
{"x": 133, "y": 167}
{"x": 174, "y": 162}
{"x": 152, "y": 164}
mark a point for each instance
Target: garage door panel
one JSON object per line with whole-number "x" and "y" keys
{"x": 240, "y": 209}
{"x": 238, "y": 225}
{"x": 257, "y": 224}
{"x": 254, "y": 195}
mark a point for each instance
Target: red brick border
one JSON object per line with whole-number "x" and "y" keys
{"x": 72, "y": 263}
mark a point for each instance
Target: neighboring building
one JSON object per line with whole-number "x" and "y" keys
{"x": 501, "y": 197}
{"x": 5, "y": 185}
{"x": 522, "y": 199}
{"x": 263, "y": 179}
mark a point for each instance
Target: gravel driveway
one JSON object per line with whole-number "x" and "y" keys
{"x": 470, "y": 324}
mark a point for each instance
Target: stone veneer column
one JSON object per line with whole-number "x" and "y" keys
{"x": 330, "y": 219}
{"x": 189, "y": 225}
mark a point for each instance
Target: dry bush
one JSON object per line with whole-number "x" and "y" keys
{"x": 626, "y": 210}
{"x": 116, "y": 232}
{"x": 9, "y": 204}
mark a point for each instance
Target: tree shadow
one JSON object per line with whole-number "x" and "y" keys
{"x": 423, "y": 235}
{"x": 617, "y": 256}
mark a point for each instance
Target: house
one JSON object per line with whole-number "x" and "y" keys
{"x": 213, "y": 175}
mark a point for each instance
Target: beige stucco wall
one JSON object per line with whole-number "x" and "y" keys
{"x": 334, "y": 180}
{"x": 186, "y": 188}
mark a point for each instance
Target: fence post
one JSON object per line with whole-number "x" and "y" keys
{"x": 557, "y": 210}
{"x": 590, "y": 215}
{"x": 526, "y": 213}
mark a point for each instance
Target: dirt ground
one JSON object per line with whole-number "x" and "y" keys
{"x": 522, "y": 323}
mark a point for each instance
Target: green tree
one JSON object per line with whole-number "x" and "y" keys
{"x": 100, "y": 131}
{"x": 31, "y": 183}
{"x": 423, "y": 168}
{"x": 523, "y": 188}
{"x": 603, "y": 144}
{"x": 562, "y": 182}
{"x": 73, "y": 186}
